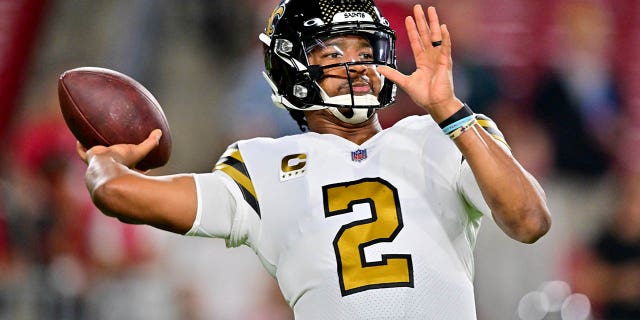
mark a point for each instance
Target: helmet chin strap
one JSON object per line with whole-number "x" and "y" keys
{"x": 359, "y": 115}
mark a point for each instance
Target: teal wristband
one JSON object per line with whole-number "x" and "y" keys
{"x": 456, "y": 125}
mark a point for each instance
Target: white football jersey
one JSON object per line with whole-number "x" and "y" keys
{"x": 381, "y": 230}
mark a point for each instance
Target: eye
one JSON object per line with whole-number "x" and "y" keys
{"x": 366, "y": 56}
{"x": 365, "y": 53}
{"x": 332, "y": 55}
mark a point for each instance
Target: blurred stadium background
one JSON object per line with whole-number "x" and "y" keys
{"x": 560, "y": 77}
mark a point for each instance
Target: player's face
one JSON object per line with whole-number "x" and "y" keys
{"x": 350, "y": 48}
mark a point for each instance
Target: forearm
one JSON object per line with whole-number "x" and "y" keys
{"x": 516, "y": 199}
{"x": 167, "y": 202}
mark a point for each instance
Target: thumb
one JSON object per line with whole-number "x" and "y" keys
{"x": 392, "y": 74}
{"x": 150, "y": 143}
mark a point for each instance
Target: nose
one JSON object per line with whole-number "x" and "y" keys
{"x": 358, "y": 68}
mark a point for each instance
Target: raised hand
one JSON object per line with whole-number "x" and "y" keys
{"x": 431, "y": 84}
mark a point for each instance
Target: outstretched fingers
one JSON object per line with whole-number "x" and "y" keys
{"x": 424, "y": 31}
{"x": 446, "y": 44}
{"x": 431, "y": 46}
{"x": 417, "y": 47}
{"x": 422, "y": 25}
{"x": 435, "y": 33}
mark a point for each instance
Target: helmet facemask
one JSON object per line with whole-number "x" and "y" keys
{"x": 344, "y": 72}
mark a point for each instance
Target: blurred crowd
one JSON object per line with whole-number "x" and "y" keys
{"x": 560, "y": 77}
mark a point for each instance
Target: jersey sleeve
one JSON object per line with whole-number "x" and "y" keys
{"x": 467, "y": 181}
{"x": 232, "y": 163}
{"x": 226, "y": 201}
{"x": 216, "y": 207}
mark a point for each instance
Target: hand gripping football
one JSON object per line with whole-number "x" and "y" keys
{"x": 105, "y": 107}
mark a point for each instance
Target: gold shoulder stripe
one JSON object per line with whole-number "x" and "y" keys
{"x": 232, "y": 163}
{"x": 232, "y": 152}
{"x": 237, "y": 176}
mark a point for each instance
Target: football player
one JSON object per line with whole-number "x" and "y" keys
{"x": 353, "y": 221}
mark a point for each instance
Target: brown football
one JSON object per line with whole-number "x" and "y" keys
{"x": 106, "y": 107}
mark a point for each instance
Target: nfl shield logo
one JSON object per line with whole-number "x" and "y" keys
{"x": 359, "y": 155}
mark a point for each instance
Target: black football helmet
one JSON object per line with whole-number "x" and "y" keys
{"x": 296, "y": 27}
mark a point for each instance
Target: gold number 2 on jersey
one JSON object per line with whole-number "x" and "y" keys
{"x": 355, "y": 273}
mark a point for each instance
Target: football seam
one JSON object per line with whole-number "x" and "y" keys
{"x": 75, "y": 106}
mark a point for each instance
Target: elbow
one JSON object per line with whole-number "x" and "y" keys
{"x": 529, "y": 224}
{"x": 534, "y": 228}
